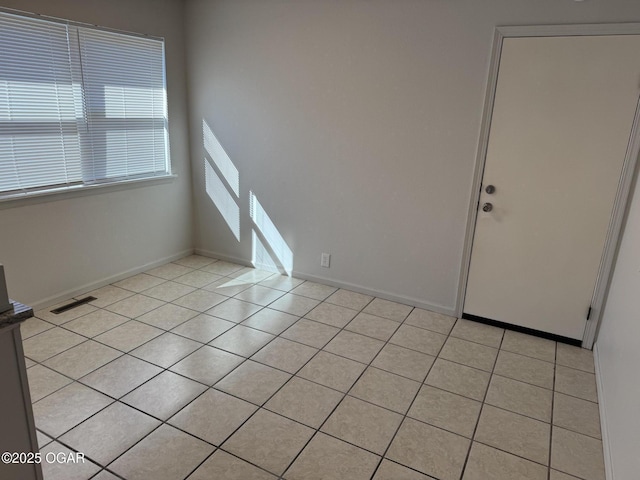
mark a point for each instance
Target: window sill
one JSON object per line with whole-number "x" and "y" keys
{"x": 43, "y": 196}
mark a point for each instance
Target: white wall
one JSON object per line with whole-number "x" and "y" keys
{"x": 356, "y": 123}
{"x": 618, "y": 354}
{"x": 50, "y": 249}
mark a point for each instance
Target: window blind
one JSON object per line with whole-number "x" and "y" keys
{"x": 78, "y": 106}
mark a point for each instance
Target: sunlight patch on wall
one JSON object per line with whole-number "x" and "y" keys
{"x": 271, "y": 234}
{"x": 222, "y": 199}
{"x": 261, "y": 258}
{"x": 220, "y": 158}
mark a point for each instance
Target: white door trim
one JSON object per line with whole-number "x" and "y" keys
{"x": 624, "y": 186}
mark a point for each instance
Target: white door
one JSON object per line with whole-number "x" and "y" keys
{"x": 560, "y": 127}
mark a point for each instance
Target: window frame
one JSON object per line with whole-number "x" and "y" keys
{"x": 10, "y": 199}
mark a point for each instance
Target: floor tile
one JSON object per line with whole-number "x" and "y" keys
{"x": 203, "y": 328}
{"x": 525, "y": 369}
{"x": 386, "y": 309}
{"x": 304, "y": 401}
{"x": 260, "y": 295}
{"x": 478, "y": 332}
{"x": 213, "y": 416}
{"x": 198, "y": 278}
{"x": 168, "y": 291}
{"x": 385, "y": 389}
{"x": 166, "y": 349}
{"x": 221, "y": 465}
{"x": 200, "y": 300}
{"x": 310, "y": 333}
{"x": 575, "y": 357}
{"x": 528, "y": 345}
{"x": 333, "y": 315}
{"x": 349, "y": 299}
{"x": 469, "y": 353}
{"x": 227, "y": 287}
{"x": 135, "y": 306}
{"x": 404, "y": 362}
{"x": 488, "y": 463}
{"x": 251, "y": 275}
{"x": 107, "y": 295}
{"x": 575, "y": 383}
{"x": 372, "y": 326}
{"x": 164, "y": 395}
{"x": 253, "y": 382}
{"x": 577, "y": 454}
{"x": 155, "y": 456}
{"x": 283, "y": 283}
{"x": 430, "y": 450}
{"x": 285, "y": 355}
{"x": 234, "y": 310}
{"x": 52, "y": 342}
{"x": 576, "y": 415}
{"x": 294, "y": 304}
{"x": 43, "y": 439}
{"x": 82, "y": 359}
{"x": 354, "y": 346}
{"x": 95, "y": 323}
{"x": 64, "y": 409}
{"x": 313, "y": 290}
{"x": 195, "y": 261}
{"x": 556, "y": 475}
{"x": 513, "y": 433}
{"x": 456, "y": 378}
{"x": 333, "y": 371}
{"x": 129, "y": 335}
{"x": 29, "y": 363}
{"x": 66, "y": 471}
{"x": 419, "y": 339}
{"x": 222, "y": 268}
{"x": 121, "y": 376}
{"x": 363, "y": 424}
{"x": 446, "y": 410}
{"x": 271, "y": 321}
{"x": 519, "y": 397}
{"x": 140, "y": 282}
{"x": 326, "y": 458}
{"x": 32, "y": 326}
{"x": 169, "y": 271}
{"x": 433, "y": 321}
{"x": 242, "y": 340}
{"x": 207, "y": 365}
{"x": 269, "y": 441}
{"x": 104, "y": 475}
{"x": 167, "y": 316}
{"x": 110, "y": 432}
{"x": 64, "y": 317}
{"x": 44, "y": 381}
{"x": 393, "y": 471}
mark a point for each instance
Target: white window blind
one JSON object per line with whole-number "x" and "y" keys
{"x": 78, "y": 106}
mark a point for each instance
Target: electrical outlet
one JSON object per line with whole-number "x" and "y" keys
{"x": 325, "y": 260}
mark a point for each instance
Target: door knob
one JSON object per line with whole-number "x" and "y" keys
{"x": 490, "y": 189}
{"x": 487, "y": 207}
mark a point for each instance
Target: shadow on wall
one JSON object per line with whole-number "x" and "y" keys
{"x": 222, "y": 184}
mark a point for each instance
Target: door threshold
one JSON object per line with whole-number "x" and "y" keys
{"x": 528, "y": 331}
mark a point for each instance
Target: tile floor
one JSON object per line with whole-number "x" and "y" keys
{"x": 203, "y": 369}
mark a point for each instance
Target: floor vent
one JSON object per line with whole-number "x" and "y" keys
{"x": 71, "y": 305}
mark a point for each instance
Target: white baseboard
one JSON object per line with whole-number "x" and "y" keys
{"x": 59, "y": 297}
{"x": 606, "y": 446}
{"x": 414, "y": 302}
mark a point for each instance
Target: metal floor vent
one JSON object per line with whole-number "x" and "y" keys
{"x": 71, "y": 305}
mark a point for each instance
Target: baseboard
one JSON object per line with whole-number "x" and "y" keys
{"x": 606, "y": 447}
{"x": 52, "y": 300}
{"x": 221, "y": 256}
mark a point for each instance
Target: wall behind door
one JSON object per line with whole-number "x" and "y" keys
{"x": 355, "y": 123}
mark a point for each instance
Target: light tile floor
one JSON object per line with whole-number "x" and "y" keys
{"x": 203, "y": 369}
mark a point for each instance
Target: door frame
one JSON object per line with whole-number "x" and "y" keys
{"x": 612, "y": 240}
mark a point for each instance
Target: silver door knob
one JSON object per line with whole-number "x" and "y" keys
{"x": 487, "y": 207}
{"x": 490, "y": 189}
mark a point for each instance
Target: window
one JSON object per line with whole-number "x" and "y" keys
{"x": 79, "y": 106}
